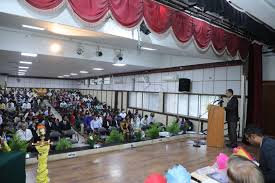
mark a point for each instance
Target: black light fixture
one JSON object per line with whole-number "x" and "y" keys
{"x": 119, "y": 56}
{"x": 99, "y": 52}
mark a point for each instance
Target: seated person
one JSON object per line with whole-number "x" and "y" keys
{"x": 241, "y": 170}
{"x": 96, "y": 126}
{"x": 151, "y": 119}
{"x": 267, "y": 152}
{"x": 144, "y": 123}
{"x": 53, "y": 129}
{"x": 188, "y": 125}
{"x": 66, "y": 128}
{"x": 125, "y": 127}
{"x": 24, "y": 134}
{"x": 122, "y": 114}
{"x": 10, "y": 106}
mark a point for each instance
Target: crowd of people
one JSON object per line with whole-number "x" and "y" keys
{"x": 21, "y": 111}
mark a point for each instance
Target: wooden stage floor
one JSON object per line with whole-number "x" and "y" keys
{"x": 131, "y": 165}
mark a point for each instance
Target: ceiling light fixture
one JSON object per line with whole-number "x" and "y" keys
{"x": 73, "y": 74}
{"x": 55, "y": 48}
{"x": 83, "y": 72}
{"x": 99, "y": 52}
{"x": 21, "y": 73}
{"x": 119, "y": 64}
{"x": 98, "y": 69}
{"x": 60, "y": 76}
{"x": 25, "y": 62}
{"x": 21, "y": 70}
{"x": 33, "y": 27}
{"x": 29, "y": 54}
{"x": 146, "y": 48}
{"x": 66, "y": 75}
{"x": 22, "y": 67}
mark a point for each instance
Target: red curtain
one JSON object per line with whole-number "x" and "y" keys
{"x": 218, "y": 39}
{"x": 90, "y": 10}
{"x": 158, "y": 17}
{"x": 182, "y": 26}
{"x": 254, "y": 110}
{"x": 232, "y": 43}
{"x": 202, "y": 33}
{"x": 127, "y": 12}
{"x": 44, "y": 4}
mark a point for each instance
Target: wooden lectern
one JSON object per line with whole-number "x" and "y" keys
{"x": 215, "y": 129}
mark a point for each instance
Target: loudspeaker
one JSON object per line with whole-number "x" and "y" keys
{"x": 184, "y": 84}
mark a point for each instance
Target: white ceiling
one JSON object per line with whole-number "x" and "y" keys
{"x": 53, "y": 66}
{"x": 47, "y": 65}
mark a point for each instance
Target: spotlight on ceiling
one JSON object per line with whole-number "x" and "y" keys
{"x": 55, "y": 48}
{"x": 99, "y": 52}
{"x": 119, "y": 55}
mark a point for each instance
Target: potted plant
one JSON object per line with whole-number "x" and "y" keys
{"x": 115, "y": 137}
{"x": 173, "y": 128}
{"x": 153, "y": 132}
{"x": 91, "y": 141}
{"x": 16, "y": 144}
{"x": 63, "y": 144}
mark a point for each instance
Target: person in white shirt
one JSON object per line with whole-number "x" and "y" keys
{"x": 122, "y": 114}
{"x": 144, "y": 122}
{"x": 136, "y": 123}
{"x": 10, "y": 106}
{"x": 26, "y": 105}
{"x": 95, "y": 124}
{"x": 24, "y": 134}
{"x": 63, "y": 104}
{"x": 151, "y": 118}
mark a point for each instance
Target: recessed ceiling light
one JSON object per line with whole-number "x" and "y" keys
{"x": 23, "y": 67}
{"x": 119, "y": 64}
{"x": 29, "y": 54}
{"x": 55, "y": 47}
{"x": 25, "y": 62}
{"x": 66, "y": 75}
{"x": 21, "y": 70}
{"x": 146, "y": 48}
{"x": 73, "y": 74}
{"x": 83, "y": 72}
{"x": 21, "y": 73}
{"x": 60, "y": 76}
{"x": 98, "y": 69}
{"x": 33, "y": 27}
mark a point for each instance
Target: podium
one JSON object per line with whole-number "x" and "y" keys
{"x": 215, "y": 128}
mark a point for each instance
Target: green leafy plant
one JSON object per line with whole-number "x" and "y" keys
{"x": 91, "y": 141}
{"x": 115, "y": 137}
{"x": 173, "y": 128}
{"x": 16, "y": 144}
{"x": 153, "y": 132}
{"x": 138, "y": 135}
{"x": 63, "y": 144}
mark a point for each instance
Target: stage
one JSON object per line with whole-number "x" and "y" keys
{"x": 131, "y": 165}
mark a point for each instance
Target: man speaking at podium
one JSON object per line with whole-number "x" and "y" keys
{"x": 232, "y": 118}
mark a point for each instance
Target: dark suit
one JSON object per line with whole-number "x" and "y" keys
{"x": 232, "y": 118}
{"x": 267, "y": 159}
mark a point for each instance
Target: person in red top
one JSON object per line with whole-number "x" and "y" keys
{"x": 72, "y": 119}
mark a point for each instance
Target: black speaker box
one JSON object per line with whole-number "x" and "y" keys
{"x": 184, "y": 85}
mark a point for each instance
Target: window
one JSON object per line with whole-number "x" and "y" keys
{"x": 139, "y": 100}
{"x": 132, "y": 99}
{"x": 171, "y": 103}
{"x": 151, "y": 101}
{"x": 183, "y": 104}
{"x": 193, "y": 105}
